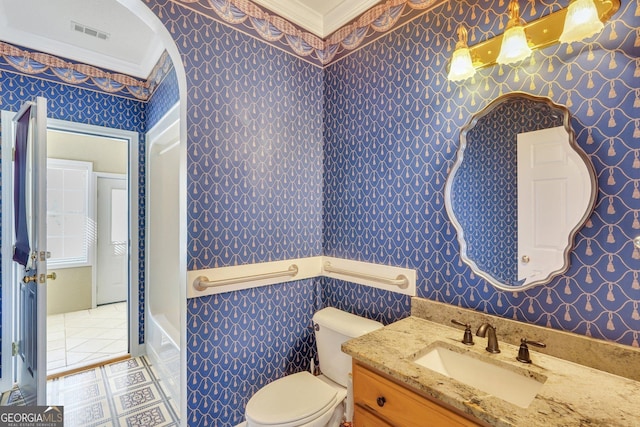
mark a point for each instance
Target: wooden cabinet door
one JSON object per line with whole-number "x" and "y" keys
{"x": 397, "y": 405}
{"x": 365, "y": 418}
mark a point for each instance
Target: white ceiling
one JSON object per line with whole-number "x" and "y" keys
{"x": 132, "y": 47}
{"x": 320, "y": 17}
{"x": 45, "y": 25}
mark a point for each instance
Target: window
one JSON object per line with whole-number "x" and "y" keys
{"x": 70, "y": 223}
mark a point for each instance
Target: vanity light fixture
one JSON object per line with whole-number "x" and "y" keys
{"x": 514, "y": 47}
{"x": 461, "y": 67}
{"x": 541, "y": 33}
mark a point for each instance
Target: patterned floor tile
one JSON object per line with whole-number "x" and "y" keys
{"x": 129, "y": 381}
{"x": 155, "y": 416}
{"x": 12, "y": 397}
{"x": 81, "y": 377}
{"x": 125, "y": 365}
{"x": 125, "y": 393}
{"x": 136, "y": 399}
{"x": 88, "y": 414}
{"x": 84, "y": 393}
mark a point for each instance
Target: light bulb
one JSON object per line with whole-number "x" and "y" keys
{"x": 514, "y": 46}
{"x": 461, "y": 66}
{"x": 582, "y": 21}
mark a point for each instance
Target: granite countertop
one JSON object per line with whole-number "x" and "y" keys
{"x": 572, "y": 394}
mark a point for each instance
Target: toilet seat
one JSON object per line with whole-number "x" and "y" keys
{"x": 290, "y": 401}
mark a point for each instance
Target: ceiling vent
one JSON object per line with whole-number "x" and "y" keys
{"x": 89, "y": 31}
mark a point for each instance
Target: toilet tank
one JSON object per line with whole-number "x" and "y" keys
{"x": 333, "y": 327}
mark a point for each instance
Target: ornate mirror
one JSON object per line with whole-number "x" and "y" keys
{"x": 519, "y": 191}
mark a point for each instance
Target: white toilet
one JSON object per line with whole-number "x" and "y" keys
{"x": 304, "y": 400}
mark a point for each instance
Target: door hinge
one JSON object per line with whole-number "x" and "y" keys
{"x": 13, "y": 154}
{"x": 14, "y": 348}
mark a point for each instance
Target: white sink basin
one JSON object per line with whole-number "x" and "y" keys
{"x": 497, "y": 381}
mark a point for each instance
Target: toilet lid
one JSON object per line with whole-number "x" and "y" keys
{"x": 292, "y": 398}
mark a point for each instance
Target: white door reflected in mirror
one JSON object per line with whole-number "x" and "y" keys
{"x": 551, "y": 200}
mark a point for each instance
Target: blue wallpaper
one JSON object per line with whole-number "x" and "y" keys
{"x": 384, "y": 306}
{"x": 392, "y": 131}
{"x": 254, "y": 150}
{"x": 164, "y": 97}
{"x": 73, "y": 104}
{"x": 240, "y": 341}
{"x": 288, "y": 160}
{"x": 274, "y": 143}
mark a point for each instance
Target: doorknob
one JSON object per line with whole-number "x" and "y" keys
{"x": 27, "y": 279}
{"x": 525, "y": 259}
{"x": 34, "y": 278}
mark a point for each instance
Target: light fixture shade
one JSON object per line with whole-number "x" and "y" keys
{"x": 582, "y": 21}
{"x": 514, "y": 46}
{"x": 461, "y": 67}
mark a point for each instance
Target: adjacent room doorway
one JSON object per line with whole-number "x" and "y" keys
{"x": 88, "y": 238}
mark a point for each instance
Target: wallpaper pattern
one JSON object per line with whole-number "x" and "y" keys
{"x": 163, "y": 99}
{"x": 240, "y": 341}
{"x": 392, "y": 131}
{"x": 382, "y": 125}
{"x": 254, "y": 149}
{"x": 288, "y": 160}
{"x": 254, "y": 184}
{"x": 251, "y": 19}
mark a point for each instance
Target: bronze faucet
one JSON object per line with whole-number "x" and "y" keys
{"x": 492, "y": 340}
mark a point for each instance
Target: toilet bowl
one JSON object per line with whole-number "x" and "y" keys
{"x": 297, "y": 400}
{"x": 304, "y": 400}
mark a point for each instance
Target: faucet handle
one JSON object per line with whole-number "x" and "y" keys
{"x": 467, "y": 339}
{"x": 523, "y": 352}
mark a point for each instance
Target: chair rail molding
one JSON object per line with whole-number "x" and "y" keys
{"x": 232, "y": 278}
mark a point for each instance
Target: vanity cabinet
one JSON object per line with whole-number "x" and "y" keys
{"x": 381, "y": 402}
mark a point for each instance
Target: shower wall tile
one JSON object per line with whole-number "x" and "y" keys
{"x": 163, "y": 98}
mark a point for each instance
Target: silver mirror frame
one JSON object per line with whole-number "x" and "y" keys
{"x": 458, "y": 162}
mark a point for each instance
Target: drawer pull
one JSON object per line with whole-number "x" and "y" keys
{"x": 381, "y": 401}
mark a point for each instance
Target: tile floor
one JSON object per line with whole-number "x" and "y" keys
{"x": 126, "y": 393}
{"x": 85, "y": 337}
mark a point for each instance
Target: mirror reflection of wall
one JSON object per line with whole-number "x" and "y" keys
{"x": 482, "y": 195}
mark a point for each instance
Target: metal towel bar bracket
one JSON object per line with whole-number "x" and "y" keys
{"x": 202, "y": 282}
{"x": 401, "y": 281}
